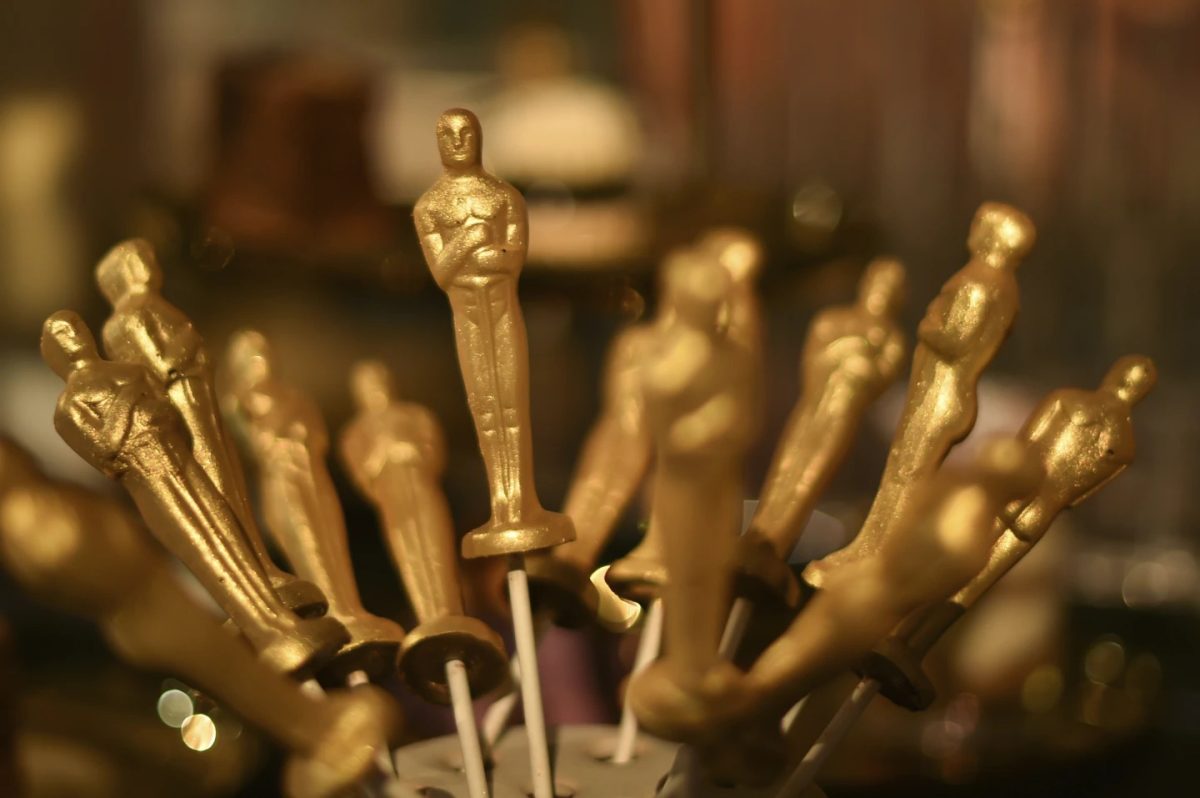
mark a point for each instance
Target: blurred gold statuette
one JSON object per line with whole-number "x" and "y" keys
{"x": 961, "y": 332}
{"x": 86, "y": 555}
{"x": 942, "y": 541}
{"x": 147, "y": 330}
{"x": 289, "y": 443}
{"x": 1083, "y": 440}
{"x": 115, "y": 417}
{"x": 474, "y": 233}
{"x": 852, "y": 353}
{"x": 395, "y": 454}
{"x": 701, "y": 394}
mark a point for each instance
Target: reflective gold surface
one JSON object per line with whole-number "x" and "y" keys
{"x": 701, "y": 393}
{"x": 86, "y": 555}
{"x": 147, "y": 330}
{"x": 1082, "y": 440}
{"x": 115, "y": 417}
{"x": 395, "y": 454}
{"x": 943, "y": 540}
{"x": 961, "y": 332}
{"x": 289, "y": 443}
{"x": 474, "y": 233}
{"x": 852, "y": 353}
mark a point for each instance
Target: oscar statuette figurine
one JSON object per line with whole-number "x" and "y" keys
{"x": 286, "y": 436}
{"x": 86, "y": 555}
{"x": 701, "y": 394}
{"x": 395, "y": 455}
{"x": 961, "y": 332}
{"x": 474, "y": 233}
{"x": 147, "y": 330}
{"x": 852, "y": 353}
{"x": 114, "y": 416}
{"x": 1083, "y": 440}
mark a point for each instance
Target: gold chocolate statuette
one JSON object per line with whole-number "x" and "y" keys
{"x": 474, "y": 233}
{"x": 287, "y": 437}
{"x": 113, "y": 414}
{"x": 852, "y": 353}
{"x": 701, "y": 390}
{"x": 962, "y": 330}
{"x": 395, "y": 454}
{"x": 641, "y": 573}
{"x": 147, "y": 330}
{"x": 88, "y": 556}
{"x": 1083, "y": 440}
{"x": 942, "y": 541}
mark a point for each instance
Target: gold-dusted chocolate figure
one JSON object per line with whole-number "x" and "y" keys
{"x": 114, "y": 416}
{"x": 701, "y": 394}
{"x": 941, "y": 542}
{"x": 395, "y": 454}
{"x": 146, "y": 329}
{"x": 612, "y": 466}
{"x": 86, "y": 555}
{"x": 961, "y": 332}
{"x": 1082, "y": 440}
{"x": 289, "y": 442}
{"x": 474, "y": 233}
{"x": 852, "y": 353}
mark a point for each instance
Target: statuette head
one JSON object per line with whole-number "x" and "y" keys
{"x": 882, "y": 287}
{"x": 130, "y": 268}
{"x": 1000, "y": 235}
{"x": 1131, "y": 378}
{"x": 67, "y": 343}
{"x": 459, "y": 138}
{"x": 737, "y": 250}
{"x": 371, "y": 385}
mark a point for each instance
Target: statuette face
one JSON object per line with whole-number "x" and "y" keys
{"x": 474, "y": 234}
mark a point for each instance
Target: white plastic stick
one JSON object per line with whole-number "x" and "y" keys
{"x": 531, "y": 685}
{"x": 648, "y": 647}
{"x": 833, "y": 735}
{"x": 735, "y": 627}
{"x": 468, "y": 735}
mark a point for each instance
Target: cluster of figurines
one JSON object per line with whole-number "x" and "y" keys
{"x": 681, "y": 407}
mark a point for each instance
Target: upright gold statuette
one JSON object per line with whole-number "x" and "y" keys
{"x": 962, "y": 330}
{"x": 474, "y": 234}
{"x": 395, "y": 454}
{"x": 113, "y": 414}
{"x": 286, "y": 435}
{"x": 86, "y": 555}
{"x": 701, "y": 394}
{"x": 146, "y": 329}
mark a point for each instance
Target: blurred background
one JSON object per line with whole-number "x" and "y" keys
{"x": 271, "y": 151}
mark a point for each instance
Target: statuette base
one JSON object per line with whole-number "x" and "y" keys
{"x": 431, "y": 645}
{"x": 543, "y": 531}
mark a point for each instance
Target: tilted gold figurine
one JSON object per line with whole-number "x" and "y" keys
{"x": 474, "y": 233}
{"x": 962, "y": 330}
{"x": 114, "y": 416}
{"x": 612, "y": 466}
{"x": 287, "y": 437}
{"x": 395, "y": 454}
{"x": 87, "y": 556}
{"x": 852, "y": 353}
{"x": 1083, "y": 440}
{"x": 146, "y": 329}
{"x": 943, "y": 540}
{"x": 701, "y": 394}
